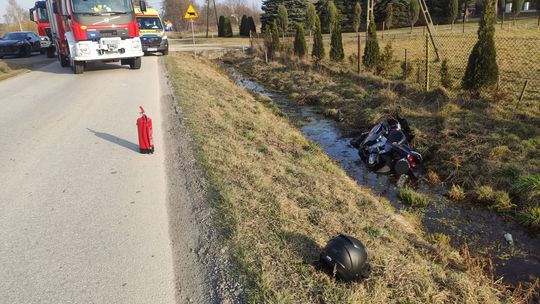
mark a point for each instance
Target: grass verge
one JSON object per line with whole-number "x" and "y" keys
{"x": 280, "y": 198}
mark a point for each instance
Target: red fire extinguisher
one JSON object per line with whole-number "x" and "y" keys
{"x": 144, "y": 126}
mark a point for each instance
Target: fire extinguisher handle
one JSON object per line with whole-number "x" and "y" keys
{"x": 142, "y": 109}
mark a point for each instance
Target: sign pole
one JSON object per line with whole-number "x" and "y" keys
{"x": 192, "y": 32}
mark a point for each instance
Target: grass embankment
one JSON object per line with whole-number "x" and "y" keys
{"x": 13, "y": 66}
{"x": 468, "y": 142}
{"x": 6, "y": 71}
{"x": 279, "y": 198}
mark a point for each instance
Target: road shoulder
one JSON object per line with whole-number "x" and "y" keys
{"x": 201, "y": 270}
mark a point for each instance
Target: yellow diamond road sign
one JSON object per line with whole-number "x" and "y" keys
{"x": 191, "y": 13}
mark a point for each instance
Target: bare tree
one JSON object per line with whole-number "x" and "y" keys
{"x": 15, "y": 14}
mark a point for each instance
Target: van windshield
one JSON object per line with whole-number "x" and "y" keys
{"x": 149, "y": 23}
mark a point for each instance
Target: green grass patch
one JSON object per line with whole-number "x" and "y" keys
{"x": 413, "y": 198}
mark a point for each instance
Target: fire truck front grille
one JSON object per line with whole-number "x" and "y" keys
{"x": 122, "y": 33}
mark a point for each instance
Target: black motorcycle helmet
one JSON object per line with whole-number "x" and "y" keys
{"x": 346, "y": 258}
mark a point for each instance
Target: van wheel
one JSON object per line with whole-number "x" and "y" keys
{"x": 135, "y": 63}
{"x": 166, "y": 52}
{"x": 78, "y": 67}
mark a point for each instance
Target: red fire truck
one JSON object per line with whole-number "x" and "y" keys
{"x": 39, "y": 15}
{"x": 95, "y": 30}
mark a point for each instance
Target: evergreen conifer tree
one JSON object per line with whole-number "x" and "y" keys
{"x": 242, "y": 27}
{"x": 251, "y": 26}
{"x": 371, "y": 52}
{"x": 482, "y": 70}
{"x": 389, "y": 18}
{"x": 414, "y": 11}
{"x": 336, "y": 44}
{"x": 296, "y": 11}
{"x": 517, "y": 5}
{"x": 275, "y": 36}
{"x": 221, "y": 26}
{"x": 446, "y": 80}
{"x": 283, "y": 18}
{"x": 357, "y": 16}
{"x": 268, "y": 43}
{"x": 311, "y": 13}
{"x": 300, "y": 41}
{"x": 227, "y": 28}
{"x": 333, "y": 14}
{"x": 453, "y": 12}
{"x": 318, "y": 47}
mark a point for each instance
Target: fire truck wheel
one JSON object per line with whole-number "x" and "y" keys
{"x": 78, "y": 67}
{"x": 64, "y": 60}
{"x": 135, "y": 63}
{"x": 50, "y": 52}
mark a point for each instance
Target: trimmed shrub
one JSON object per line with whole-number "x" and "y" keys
{"x": 275, "y": 36}
{"x": 336, "y": 44}
{"x": 371, "y": 51}
{"x": 446, "y": 79}
{"x": 318, "y": 47}
{"x": 300, "y": 47}
{"x": 386, "y": 61}
{"x": 482, "y": 70}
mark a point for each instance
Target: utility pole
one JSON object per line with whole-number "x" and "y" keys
{"x": 215, "y": 11}
{"x": 207, "y": 15}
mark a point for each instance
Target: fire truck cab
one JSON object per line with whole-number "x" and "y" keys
{"x": 39, "y": 15}
{"x": 95, "y": 30}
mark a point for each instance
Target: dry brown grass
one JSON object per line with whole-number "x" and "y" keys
{"x": 279, "y": 198}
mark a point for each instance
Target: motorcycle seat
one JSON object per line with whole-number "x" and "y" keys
{"x": 396, "y": 137}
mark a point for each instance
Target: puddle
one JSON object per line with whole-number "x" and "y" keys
{"x": 482, "y": 229}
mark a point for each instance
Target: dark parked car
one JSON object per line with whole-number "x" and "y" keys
{"x": 20, "y": 44}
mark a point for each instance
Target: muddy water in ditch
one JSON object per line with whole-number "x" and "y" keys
{"x": 483, "y": 230}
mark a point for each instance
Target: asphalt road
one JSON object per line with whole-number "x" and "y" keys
{"x": 83, "y": 215}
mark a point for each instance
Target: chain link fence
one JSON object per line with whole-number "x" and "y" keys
{"x": 517, "y": 46}
{"x": 518, "y": 58}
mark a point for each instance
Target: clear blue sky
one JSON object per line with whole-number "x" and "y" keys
{"x": 26, "y": 4}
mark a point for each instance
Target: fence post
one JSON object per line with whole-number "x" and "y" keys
{"x": 427, "y": 64}
{"x": 405, "y": 70}
{"x": 523, "y": 90}
{"x": 382, "y": 36}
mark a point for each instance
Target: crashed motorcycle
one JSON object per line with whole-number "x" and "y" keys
{"x": 386, "y": 147}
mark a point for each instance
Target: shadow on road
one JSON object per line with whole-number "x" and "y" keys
{"x": 116, "y": 140}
